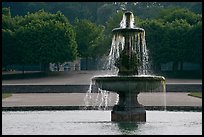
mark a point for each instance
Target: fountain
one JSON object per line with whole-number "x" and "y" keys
{"x": 131, "y": 79}
{"x": 128, "y": 57}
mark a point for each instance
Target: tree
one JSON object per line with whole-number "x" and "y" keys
{"x": 194, "y": 44}
{"x": 157, "y": 42}
{"x": 179, "y": 23}
{"x": 9, "y": 50}
{"x": 88, "y": 36}
{"x": 178, "y": 32}
{"x": 104, "y": 12}
{"x": 172, "y": 14}
{"x": 171, "y": 37}
{"x": 46, "y": 38}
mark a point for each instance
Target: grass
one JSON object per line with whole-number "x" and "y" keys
{"x": 6, "y": 95}
{"x": 196, "y": 94}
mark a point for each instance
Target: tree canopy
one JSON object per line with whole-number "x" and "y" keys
{"x": 63, "y": 31}
{"x": 43, "y": 38}
{"x": 170, "y": 37}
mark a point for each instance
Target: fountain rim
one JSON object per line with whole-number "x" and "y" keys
{"x": 129, "y": 78}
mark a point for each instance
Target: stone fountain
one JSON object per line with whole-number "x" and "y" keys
{"x": 128, "y": 55}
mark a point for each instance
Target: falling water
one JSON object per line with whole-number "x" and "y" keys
{"x": 88, "y": 96}
{"x": 97, "y": 98}
{"x": 138, "y": 44}
{"x": 104, "y": 99}
{"x": 164, "y": 91}
{"x": 117, "y": 46}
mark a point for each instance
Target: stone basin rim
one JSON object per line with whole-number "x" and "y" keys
{"x": 128, "y": 78}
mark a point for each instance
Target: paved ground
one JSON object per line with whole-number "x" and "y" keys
{"x": 79, "y": 99}
{"x": 81, "y": 78}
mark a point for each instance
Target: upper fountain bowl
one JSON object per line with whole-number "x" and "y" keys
{"x": 127, "y": 25}
{"x": 135, "y": 83}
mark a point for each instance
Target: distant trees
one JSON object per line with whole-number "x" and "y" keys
{"x": 41, "y": 38}
{"x": 89, "y": 38}
{"x": 98, "y": 12}
{"x": 85, "y": 30}
{"x": 9, "y": 48}
{"x": 172, "y": 36}
{"x": 104, "y": 12}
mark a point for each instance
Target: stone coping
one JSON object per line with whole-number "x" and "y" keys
{"x": 21, "y": 88}
{"x": 60, "y": 108}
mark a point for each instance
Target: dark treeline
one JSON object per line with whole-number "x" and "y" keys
{"x": 99, "y": 12}
{"x": 55, "y": 32}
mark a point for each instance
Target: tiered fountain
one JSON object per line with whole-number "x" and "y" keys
{"x": 129, "y": 55}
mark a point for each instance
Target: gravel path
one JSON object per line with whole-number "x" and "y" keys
{"x": 81, "y": 78}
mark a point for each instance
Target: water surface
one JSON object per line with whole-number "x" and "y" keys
{"x": 97, "y": 122}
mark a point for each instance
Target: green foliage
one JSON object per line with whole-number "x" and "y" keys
{"x": 194, "y": 44}
{"x": 95, "y": 11}
{"x": 104, "y": 12}
{"x": 113, "y": 22}
{"x": 7, "y": 21}
{"x": 46, "y": 38}
{"x": 43, "y": 16}
{"x": 173, "y": 14}
{"x": 40, "y": 38}
{"x": 6, "y": 95}
{"x": 88, "y": 36}
{"x": 172, "y": 37}
{"x": 157, "y": 44}
{"x": 196, "y": 94}
{"x": 6, "y": 12}
{"x": 9, "y": 48}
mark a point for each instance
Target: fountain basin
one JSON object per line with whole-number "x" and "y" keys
{"x": 98, "y": 122}
{"x": 124, "y": 84}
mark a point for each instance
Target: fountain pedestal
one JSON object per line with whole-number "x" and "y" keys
{"x": 128, "y": 109}
{"x": 129, "y": 116}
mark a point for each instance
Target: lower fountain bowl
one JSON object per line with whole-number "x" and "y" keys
{"x": 135, "y": 83}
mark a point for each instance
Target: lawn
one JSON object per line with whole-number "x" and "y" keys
{"x": 196, "y": 94}
{"x": 6, "y": 95}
